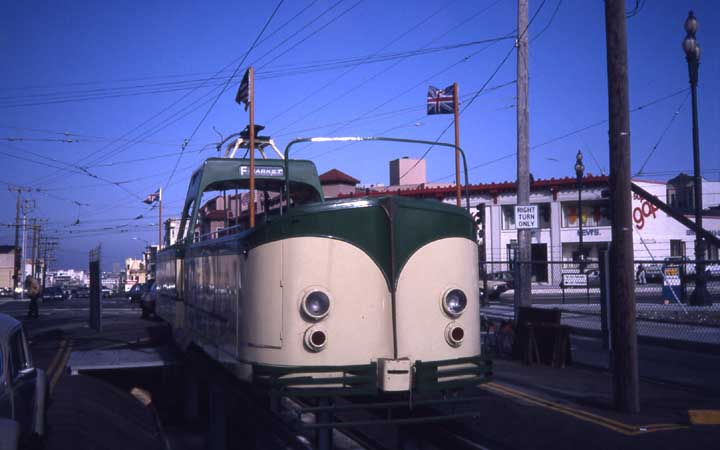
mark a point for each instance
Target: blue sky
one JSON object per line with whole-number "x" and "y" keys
{"x": 132, "y": 80}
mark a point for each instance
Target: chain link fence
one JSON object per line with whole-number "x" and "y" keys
{"x": 667, "y": 310}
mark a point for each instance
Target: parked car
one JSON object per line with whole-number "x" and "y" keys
{"x": 148, "y": 299}
{"x": 5, "y": 292}
{"x": 136, "y": 292}
{"x": 497, "y": 283}
{"x": 82, "y": 293}
{"x": 712, "y": 272}
{"x": 593, "y": 277}
{"x": 23, "y": 389}
{"x": 653, "y": 273}
{"x": 107, "y": 292}
{"x": 53, "y": 293}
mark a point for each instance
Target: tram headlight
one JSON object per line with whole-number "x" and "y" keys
{"x": 316, "y": 305}
{"x": 454, "y": 302}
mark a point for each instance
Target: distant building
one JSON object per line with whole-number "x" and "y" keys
{"x": 681, "y": 193}
{"x": 556, "y": 240}
{"x": 134, "y": 273}
{"x": 406, "y": 171}
{"x": 67, "y": 278}
{"x": 336, "y": 183}
{"x": 110, "y": 280}
{"x": 149, "y": 260}
{"x": 172, "y": 227}
{"x": 7, "y": 266}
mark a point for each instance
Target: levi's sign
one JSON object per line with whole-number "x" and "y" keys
{"x": 526, "y": 217}
{"x": 262, "y": 171}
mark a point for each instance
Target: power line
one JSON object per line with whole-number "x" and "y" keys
{"x": 375, "y": 75}
{"x": 664, "y": 132}
{"x": 497, "y": 69}
{"x": 227, "y": 83}
{"x": 572, "y": 133}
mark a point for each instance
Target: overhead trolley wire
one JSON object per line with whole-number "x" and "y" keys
{"x": 237, "y": 69}
{"x": 378, "y": 73}
{"x": 497, "y": 69}
{"x": 664, "y": 132}
{"x": 572, "y": 133}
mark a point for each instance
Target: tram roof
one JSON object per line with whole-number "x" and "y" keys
{"x": 233, "y": 173}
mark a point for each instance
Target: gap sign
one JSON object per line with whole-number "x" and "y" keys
{"x": 526, "y": 217}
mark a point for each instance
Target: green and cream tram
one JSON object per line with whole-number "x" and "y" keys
{"x": 365, "y": 295}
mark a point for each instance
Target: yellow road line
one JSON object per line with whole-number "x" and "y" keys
{"x": 704, "y": 416}
{"x": 614, "y": 425}
{"x": 60, "y": 368}
{"x": 56, "y": 358}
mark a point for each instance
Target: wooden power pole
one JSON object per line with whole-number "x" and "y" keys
{"x": 523, "y": 255}
{"x": 622, "y": 281}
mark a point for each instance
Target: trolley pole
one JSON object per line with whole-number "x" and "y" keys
{"x": 160, "y": 222}
{"x": 251, "y": 145}
{"x": 457, "y": 145}
{"x": 622, "y": 283}
{"x": 522, "y": 285}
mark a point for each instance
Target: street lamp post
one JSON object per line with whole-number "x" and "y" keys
{"x": 579, "y": 171}
{"x": 700, "y": 295}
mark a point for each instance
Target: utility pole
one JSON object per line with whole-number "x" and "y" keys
{"x": 24, "y": 232}
{"x": 522, "y": 285}
{"x": 18, "y": 257}
{"x": 622, "y": 282}
{"x": 36, "y": 250}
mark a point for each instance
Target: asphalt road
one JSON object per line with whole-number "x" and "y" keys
{"x": 549, "y": 407}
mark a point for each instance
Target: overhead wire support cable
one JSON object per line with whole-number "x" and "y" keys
{"x": 664, "y": 132}
{"x": 227, "y": 83}
{"x": 365, "y": 81}
{"x": 497, "y": 69}
{"x": 575, "y": 131}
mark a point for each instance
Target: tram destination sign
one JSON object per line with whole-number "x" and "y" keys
{"x": 526, "y": 217}
{"x": 263, "y": 171}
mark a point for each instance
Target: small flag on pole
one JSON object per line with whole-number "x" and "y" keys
{"x": 152, "y": 198}
{"x": 243, "y": 93}
{"x": 440, "y": 101}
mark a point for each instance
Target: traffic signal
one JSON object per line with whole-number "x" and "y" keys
{"x": 479, "y": 215}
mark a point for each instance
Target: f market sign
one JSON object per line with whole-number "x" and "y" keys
{"x": 263, "y": 171}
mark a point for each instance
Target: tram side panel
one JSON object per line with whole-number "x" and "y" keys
{"x": 169, "y": 290}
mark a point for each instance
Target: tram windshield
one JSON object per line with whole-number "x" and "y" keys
{"x": 218, "y": 198}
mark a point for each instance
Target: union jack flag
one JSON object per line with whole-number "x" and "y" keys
{"x": 152, "y": 198}
{"x": 440, "y": 101}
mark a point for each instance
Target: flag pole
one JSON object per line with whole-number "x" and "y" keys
{"x": 457, "y": 144}
{"x": 251, "y": 144}
{"x": 160, "y": 224}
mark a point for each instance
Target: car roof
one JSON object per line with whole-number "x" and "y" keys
{"x": 8, "y": 324}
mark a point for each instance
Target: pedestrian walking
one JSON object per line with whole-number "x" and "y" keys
{"x": 641, "y": 275}
{"x": 34, "y": 291}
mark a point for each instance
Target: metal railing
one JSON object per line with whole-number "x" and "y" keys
{"x": 663, "y": 292}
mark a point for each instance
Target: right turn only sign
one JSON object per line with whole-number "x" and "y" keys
{"x": 526, "y": 217}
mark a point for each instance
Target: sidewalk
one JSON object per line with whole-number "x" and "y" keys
{"x": 535, "y": 407}
{"x": 585, "y": 318}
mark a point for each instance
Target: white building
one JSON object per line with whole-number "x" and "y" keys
{"x": 656, "y": 235}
